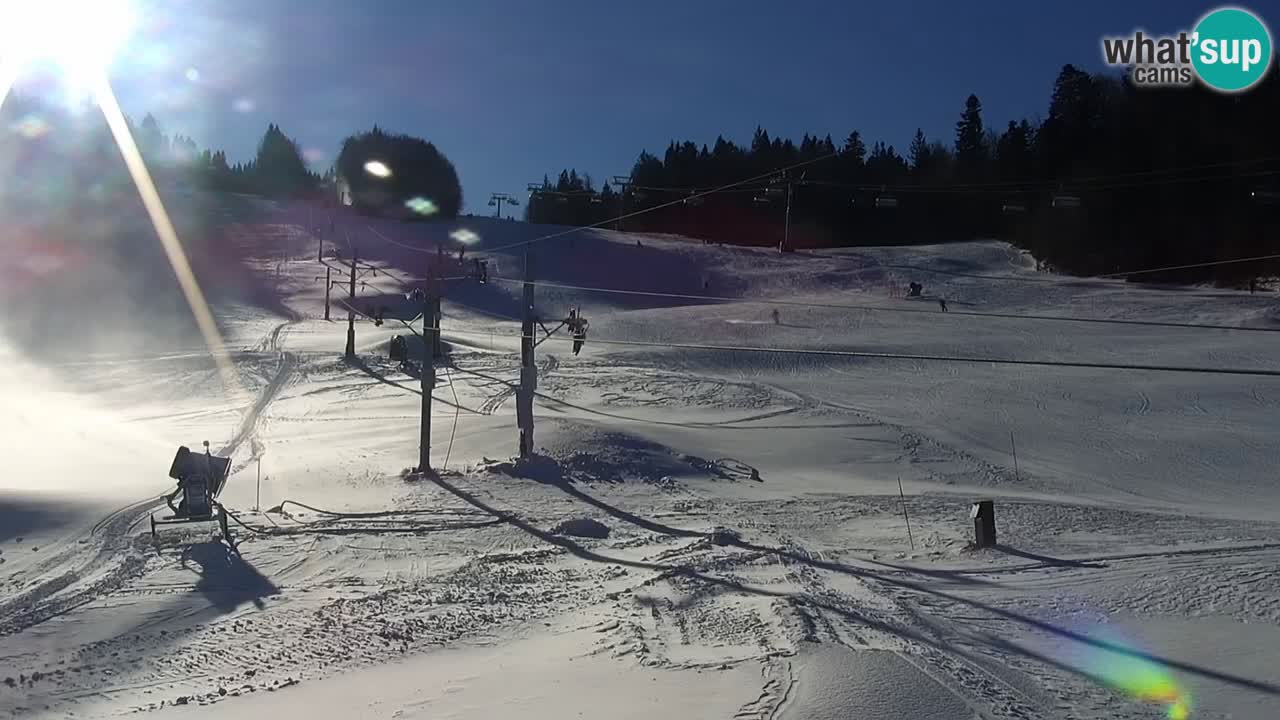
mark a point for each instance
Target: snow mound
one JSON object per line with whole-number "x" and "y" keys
{"x": 582, "y": 527}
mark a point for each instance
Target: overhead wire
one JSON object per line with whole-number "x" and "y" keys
{"x": 644, "y": 211}
{"x": 457, "y": 408}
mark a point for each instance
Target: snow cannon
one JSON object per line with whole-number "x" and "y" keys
{"x": 201, "y": 478}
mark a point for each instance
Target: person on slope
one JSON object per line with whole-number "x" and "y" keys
{"x": 942, "y": 303}
{"x": 777, "y": 317}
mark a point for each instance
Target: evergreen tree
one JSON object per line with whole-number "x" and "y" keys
{"x": 278, "y": 166}
{"x": 971, "y": 145}
{"x": 418, "y": 171}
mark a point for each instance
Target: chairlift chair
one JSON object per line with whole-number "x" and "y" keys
{"x": 1265, "y": 196}
{"x": 1013, "y": 208}
{"x": 1063, "y": 200}
{"x": 886, "y": 202}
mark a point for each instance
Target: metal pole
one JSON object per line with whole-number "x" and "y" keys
{"x": 528, "y": 371}
{"x": 351, "y": 310}
{"x": 911, "y": 539}
{"x": 1015, "y": 456}
{"x": 786, "y": 226}
{"x": 258, "y": 502}
{"x": 328, "y": 283}
{"x": 430, "y": 330}
{"x": 435, "y": 324}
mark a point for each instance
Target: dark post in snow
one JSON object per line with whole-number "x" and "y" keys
{"x": 351, "y": 311}
{"x": 436, "y": 351}
{"x": 328, "y": 283}
{"x": 528, "y": 371}
{"x": 786, "y": 224}
{"x": 983, "y": 513}
{"x": 430, "y": 331}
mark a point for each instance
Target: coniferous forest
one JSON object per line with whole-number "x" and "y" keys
{"x": 1113, "y": 178}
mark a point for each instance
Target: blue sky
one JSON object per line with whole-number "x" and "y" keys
{"x": 512, "y": 90}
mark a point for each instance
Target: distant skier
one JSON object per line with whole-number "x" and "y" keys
{"x": 1253, "y": 285}
{"x": 777, "y": 317}
{"x": 942, "y": 303}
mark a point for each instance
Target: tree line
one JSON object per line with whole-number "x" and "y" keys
{"x": 1114, "y": 177}
{"x": 71, "y": 159}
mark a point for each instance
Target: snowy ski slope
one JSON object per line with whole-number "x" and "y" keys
{"x": 757, "y": 563}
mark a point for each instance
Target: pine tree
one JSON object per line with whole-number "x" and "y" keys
{"x": 918, "y": 154}
{"x": 278, "y": 166}
{"x": 971, "y": 147}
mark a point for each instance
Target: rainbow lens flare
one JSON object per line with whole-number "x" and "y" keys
{"x": 1140, "y": 678}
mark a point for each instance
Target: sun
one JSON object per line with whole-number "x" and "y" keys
{"x": 80, "y": 36}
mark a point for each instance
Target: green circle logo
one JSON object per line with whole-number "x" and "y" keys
{"x": 1231, "y": 49}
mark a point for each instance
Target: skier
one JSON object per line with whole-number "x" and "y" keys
{"x": 943, "y": 304}
{"x": 777, "y": 317}
{"x": 1253, "y": 285}
{"x": 578, "y": 327}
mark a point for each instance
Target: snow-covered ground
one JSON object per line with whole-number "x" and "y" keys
{"x": 757, "y": 563}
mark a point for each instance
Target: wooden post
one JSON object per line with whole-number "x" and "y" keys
{"x": 328, "y": 284}
{"x": 351, "y": 311}
{"x": 258, "y": 502}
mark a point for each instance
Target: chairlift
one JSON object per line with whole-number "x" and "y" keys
{"x": 562, "y": 200}
{"x": 1265, "y": 197}
{"x": 639, "y": 196}
{"x": 760, "y": 199}
{"x": 1066, "y": 202}
{"x": 493, "y": 203}
{"x": 1013, "y": 208}
{"x": 885, "y": 200}
{"x": 595, "y": 200}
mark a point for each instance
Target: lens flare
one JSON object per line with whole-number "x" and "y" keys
{"x": 80, "y": 35}
{"x": 243, "y": 105}
{"x": 377, "y": 168}
{"x": 465, "y": 236}
{"x": 1139, "y": 678}
{"x": 30, "y": 127}
{"x": 168, "y": 235}
{"x": 422, "y": 206}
